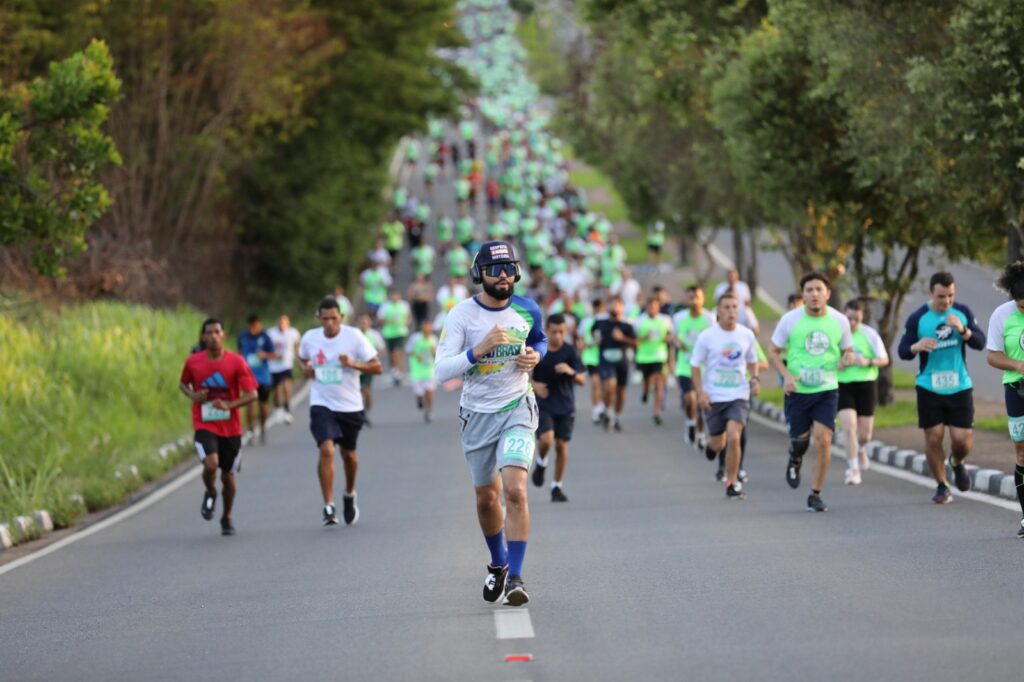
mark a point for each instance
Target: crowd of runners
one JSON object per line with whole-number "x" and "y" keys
{"x": 485, "y": 201}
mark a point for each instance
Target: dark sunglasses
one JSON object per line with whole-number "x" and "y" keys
{"x": 495, "y": 270}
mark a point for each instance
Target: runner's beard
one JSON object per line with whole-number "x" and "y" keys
{"x": 500, "y": 294}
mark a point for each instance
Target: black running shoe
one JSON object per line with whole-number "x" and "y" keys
{"x": 538, "y": 474}
{"x": 735, "y": 492}
{"x": 209, "y": 502}
{"x": 1020, "y": 531}
{"x": 643, "y": 398}
{"x": 691, "y": 434}
{"x": 617, "y": 426}
{"x": 494, "y": 583}
{"x": 330, "y": 515}
{"x": 226, "y": 527}
{"x": 814, "y": 503}
{"x": 710, "y": 454}
{"x": 960, "y": 475}
{"x": 351, "y": 510}
{"x": 720, "y": 475}
{"x": 943, "y": 495}
{"x": 605, "y": 421}
{"x": 793, "y": 471}
{"x": 656, "y": 419}
{"x": 557, "y": 495}
{"x": 515, "y": 593}
{"x": 419, "y": 403}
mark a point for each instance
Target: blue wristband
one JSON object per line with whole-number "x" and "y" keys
{"x": 469, "y": 356}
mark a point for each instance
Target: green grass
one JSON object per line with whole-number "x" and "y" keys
{"x": 90, "y": 393}
{"x": 636, "y": 250}
{"x": 592, "y": 179}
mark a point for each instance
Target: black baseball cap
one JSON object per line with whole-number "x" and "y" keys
{"x": 496, "y": 252}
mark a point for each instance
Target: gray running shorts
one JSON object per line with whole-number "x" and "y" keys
{"x": 721, "y": 413}
{"x": 493, "y": 441}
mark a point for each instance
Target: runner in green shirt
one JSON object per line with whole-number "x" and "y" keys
{"x": 1006, "y": 352}
{"x": 395, "y": 317}
{"x": 394, "y": 235}
{"x": 653, "y": 332}
{"x": 375, "y": 283}
{"x": 458, "y": 261}
{"x": 688, "y": 324}
{"x": 421, "y": 348}
{"x": 464, "y": 229}
{"x": 445, "y": 232}
{"x": 590, "y": 356}
{"x": 815, "y": 338}
{"x": 655, "y": 242}
{"x": 858, "y": 390}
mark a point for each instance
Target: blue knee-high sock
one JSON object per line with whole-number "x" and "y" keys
{"x": 496, "y": 543}
{"x": 516, "y": 555}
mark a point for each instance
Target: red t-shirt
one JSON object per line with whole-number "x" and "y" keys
{"x": 224, "y": 379}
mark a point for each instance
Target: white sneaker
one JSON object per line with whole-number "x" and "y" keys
{"x": 862, "y": 459}
{"x": 852, "y": 477}
{"x": 702, "y": 441}
{"x": 288, "y": 418}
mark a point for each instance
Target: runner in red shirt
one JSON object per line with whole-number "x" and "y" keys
{"x": 217, "y": 382}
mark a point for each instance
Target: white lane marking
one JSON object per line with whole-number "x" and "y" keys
{"x": 902, "y": 474}
{"x": 513, "y": 624}
{"x": 130, "y": 511}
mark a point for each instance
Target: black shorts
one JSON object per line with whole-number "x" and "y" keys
{"x": 955, "y": 409}
{"x": 340, "y": 427}
{"x": 226, "y": 448}
{"x": 395, "y": 343}
{"x": 279, "y": 378}
{"x": 592, "y": 369}
{"x": 803, "y": 409}
{"x": 649, "y": 368}
{"x": 860, "y": 396}
{"x": 263, "y": 393}
{"x": 561, "y": 424}
{"x": 654, "y": 248}
{"x": 614, "y": 370}
{"x": 365, "y": 380}
{"x": 1014, "y": 399}
{"x": 685, "y": 384}
{"x": 420, "y": 311}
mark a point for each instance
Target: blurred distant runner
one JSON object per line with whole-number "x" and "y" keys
{"x": 286, "y": 339}
{"x": 255, "y": 346}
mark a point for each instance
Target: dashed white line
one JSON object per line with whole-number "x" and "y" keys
{"x": 513, "y": 624}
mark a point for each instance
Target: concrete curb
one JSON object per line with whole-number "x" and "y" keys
{"x": 25, "y": 528}
{"x": 985, "y": 481}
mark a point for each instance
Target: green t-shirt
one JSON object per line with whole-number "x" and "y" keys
{"x": 656, "y": 234}
{"x": 423, "y": 259}
{"x": 812, "y": 348}
{"x": 652, "y": 333}
{"x": 458, "y": 262}
{"x": 464, "y": 229}
{"x": 375, "y": 287}
{"x": 864, "y": 348}
{"x": 421, "y": 356}
{"x": 396, "y": 316}
{"x": 445, "y": 230}
{"x": 393, "y": 234}
{"x": 688, "y": 328}
{"x": 1006, "y": 329}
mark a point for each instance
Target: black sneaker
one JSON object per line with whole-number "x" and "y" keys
{"x": 643, "y": 398}
{"x": 419, "y": 403}
{"x": 351, "y": 510}
{"x": 515, "y": 593}
{"x": 656, "y": 419}
{"x": 691, "y": 434}
{"x": 330, "y": 515}
{"x": 226, "y": 527}
{"x": 538, "y": 474}
{"x": 735, "y": 492}
{"x": 710, "y": 454}
{"x": 605, "y": 421}
{"x": 1020, "y": 531}
{"x": 720, "y": 475}
{"x": 617, "y": 426}
{"x": 793, "y": 471}
{"x": 209, "y": 502}
{"x": 814, "y": 503}
{"x": 557, "y": 495}
{"x": 494, "y": 583}
{"x": 943, "y": 495}
{"x": 960, "y": 475}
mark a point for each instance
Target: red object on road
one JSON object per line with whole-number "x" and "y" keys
{"x": 519, "y": 658}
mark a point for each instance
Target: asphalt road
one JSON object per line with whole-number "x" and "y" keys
{"x": 647, "y": 573}
{"x": 974, "y": 287}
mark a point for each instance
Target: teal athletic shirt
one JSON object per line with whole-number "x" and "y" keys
{"x": 944, "y": 370}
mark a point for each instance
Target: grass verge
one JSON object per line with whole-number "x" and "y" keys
{"x": 90, "y": 395}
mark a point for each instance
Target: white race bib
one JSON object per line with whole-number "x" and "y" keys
{"x": 727, "y": 378}
{"x": 328, "y": 375}
{"x": 612, "y": 354}
{"x": 945, "y": 381}
{"x": 253, "y": 359}
{"x": 813, "y": 377}
{"x": 209, "y": 413}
